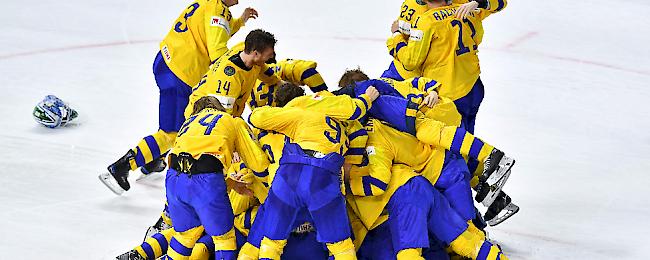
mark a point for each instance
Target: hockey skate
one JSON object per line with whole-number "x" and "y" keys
{"x": 156, "y": 228}
{"x": 116, "y": 179}
{"x": 486, "y": 194}
{"x": 131, "y": 255}
{"x": 500, "y": 210}
{"x": 496, "y": 168}
{"x": 148, "y": 170}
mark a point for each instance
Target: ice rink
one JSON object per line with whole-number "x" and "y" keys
{"x": 566, "y": 95}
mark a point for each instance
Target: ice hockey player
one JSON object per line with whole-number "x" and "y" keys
{"x": 195, "y": 184}
{"x": 308, "y": 176}
{"x": 197, "y": 38}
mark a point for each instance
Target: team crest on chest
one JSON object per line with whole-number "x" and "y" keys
{"x": 229, "y": 70}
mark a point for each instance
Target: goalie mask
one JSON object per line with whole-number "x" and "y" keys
{"x": 52, "y": 112}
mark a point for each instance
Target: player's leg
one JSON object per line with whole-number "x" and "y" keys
{"x": 377, "y": 244}
{"x": 463, "y": 238}
{"x": 212, "y": 205}
{"x": 280, "y": 211}
{"x": 203, "y": 249}
{"x": 187, "y": 224}
{"x": 320, "y": 190}
{"x": 468, "y": 105}
{"x": 454, "y": 184}
{"x": 153, "y": 247}
{"x": 303, "y": 245}
{"x": 251, "y": 249}
{"x": 456, "y": 139}
{"x": 408, "y": 211}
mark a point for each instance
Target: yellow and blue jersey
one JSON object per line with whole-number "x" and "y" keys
{"x": 387, "y": 146}
{"x": 444, "y": 47}
{"x": 218, "y": 134}
{"x": 198, "y": 37}
{"x": 369, "y": 209}
{"x": 314, "y": 121}
{"x": 299, "y": 72}
{"x": 231, "y": 82}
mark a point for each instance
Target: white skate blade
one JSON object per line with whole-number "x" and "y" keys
{"x": 110, "y": 182}
{"x": 503, "y": 170}
{"x": 505, "y": 214}
{"x": 495, "y": 190}
{"x": 144, "y": 177}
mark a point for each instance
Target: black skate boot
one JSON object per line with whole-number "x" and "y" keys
{"x": 118, "y": 172}
{"x": 496, "y": 172}
{"x": 157, "y": 165}
{"x": 501, "y": 209}
{"x": 131, "y": 255}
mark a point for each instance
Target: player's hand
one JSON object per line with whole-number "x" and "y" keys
{"x": 431, "y": 99}
{"x": 372, "y": 93}
{"x": 394, "y": 27}
{"x": 249, "y": 12}
{"x": 239, "y": 187}
{"x": 465, "y": 9}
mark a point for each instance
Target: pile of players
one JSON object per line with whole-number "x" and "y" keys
{"x": 377, "y": 169}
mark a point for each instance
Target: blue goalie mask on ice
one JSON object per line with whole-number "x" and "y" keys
{"x": 52, "y": 112}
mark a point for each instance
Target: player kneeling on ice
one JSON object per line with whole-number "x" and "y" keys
{"x": 195, "y": 183}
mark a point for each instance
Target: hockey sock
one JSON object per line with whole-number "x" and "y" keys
{"x": 410, "y": 253}
{"x": 225, "y": 245}
{"x": 458, "y": 140}
{"x": 181, "y": 244}
{"x": 342, "y": 250}
{"x": 203, "y": 248}
{"x": 152, "y": 147}
{"x": 156, "y": 245}
{"x": 490, "y": 252}
{"x": 248, "y": 252}
{"x": 272, "y": 249}
{"x": 467, "y": 244}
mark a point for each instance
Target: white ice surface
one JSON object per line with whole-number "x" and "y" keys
{"x": 566, "y": 95}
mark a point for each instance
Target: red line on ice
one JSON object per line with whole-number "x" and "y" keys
{"x": 73, "y": 48}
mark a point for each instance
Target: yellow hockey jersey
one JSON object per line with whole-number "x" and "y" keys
{"x": 231, "y": 82}
{"x": 444, "y": 47}
{"x": 219, "y": 134}
{"x": 299, "y": 72}
{"x": 369, "y": 208}
{"x": 415, "y": 89}
{"x": 314, "y": 121}
{"x": 387, "y": 146}
{"x": 197, "y": 38}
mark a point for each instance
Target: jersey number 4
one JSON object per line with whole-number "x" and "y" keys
{"x": 462, "y": 49}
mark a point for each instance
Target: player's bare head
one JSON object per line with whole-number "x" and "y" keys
{"x": 350, "y": 77}
{"x": 230, "y": 3}
{"x": 207, "y": 102}
{"x": 260, "y": 45}
{"x": 287, "y": 92}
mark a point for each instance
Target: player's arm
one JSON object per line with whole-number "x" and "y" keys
{"x": 357, "y": 138}
{"x": 248, "y": 148}
{"x": 268, "y": 76}
{"x": 302, "y": 72}
{"x": 412, "y": 51}
{"x": 218, "y": 31}
{"x": 375, "y": 182}
{"x": 487, "y": 7}
{"x": 343, "y": 107}
{"x": 282, "y": 120}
